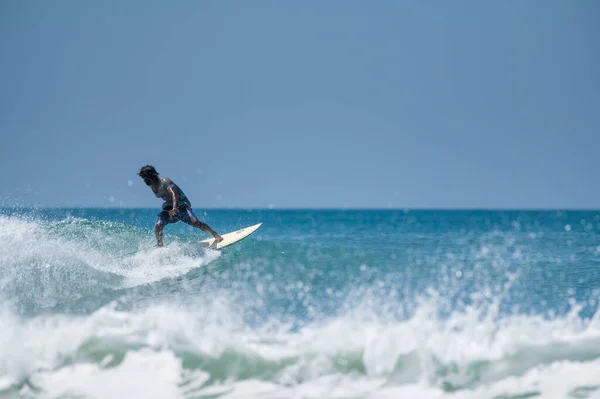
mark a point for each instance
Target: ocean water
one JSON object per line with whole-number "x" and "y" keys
{"x": 315, "y": 304}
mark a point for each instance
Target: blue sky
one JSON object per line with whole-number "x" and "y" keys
{"x": 462, "y": 104}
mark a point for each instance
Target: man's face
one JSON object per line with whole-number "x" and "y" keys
{"x": 147, "y": 180}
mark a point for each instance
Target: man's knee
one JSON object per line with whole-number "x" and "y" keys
{"x": 159, "y": 225}
{"x": 195, "y": 221}
{"x": 192, "y": 219}
{"x": 198, "y": 223}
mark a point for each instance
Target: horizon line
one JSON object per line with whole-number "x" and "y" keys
{"x": 250, "y": 208}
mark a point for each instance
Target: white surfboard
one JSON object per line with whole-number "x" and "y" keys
{"x": 231, "y": 238}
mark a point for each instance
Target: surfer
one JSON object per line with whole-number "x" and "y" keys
{"x": 176, "y": 206}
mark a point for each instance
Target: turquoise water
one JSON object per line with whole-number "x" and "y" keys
{"x": 315, "y": 304}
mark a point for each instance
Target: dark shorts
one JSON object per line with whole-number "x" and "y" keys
{"x": 185, "y": 214}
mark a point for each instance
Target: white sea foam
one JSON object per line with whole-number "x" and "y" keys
{"x": 43, "y": 263}
{"x": 153, "y": 265}
{"x": 207, "y": 349}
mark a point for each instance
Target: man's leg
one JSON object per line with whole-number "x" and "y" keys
{"x": 161, "y": 221}
{"x": 158, "y": 230}
{"x": 191, "y": 219}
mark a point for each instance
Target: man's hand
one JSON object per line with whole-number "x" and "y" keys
{"x": 173, "y": 212}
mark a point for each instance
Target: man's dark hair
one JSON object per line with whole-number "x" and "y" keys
{"x": 147, "y": 171}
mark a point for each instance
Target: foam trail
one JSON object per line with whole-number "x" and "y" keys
{"x": 45, "y": 265}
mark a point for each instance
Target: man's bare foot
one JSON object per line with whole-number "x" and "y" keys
{"x": 218, "y": 238}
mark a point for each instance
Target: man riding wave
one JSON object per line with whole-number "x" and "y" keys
{"x": 176, "y": 206}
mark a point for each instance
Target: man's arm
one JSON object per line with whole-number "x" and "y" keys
{"x": 175, "y": 200}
